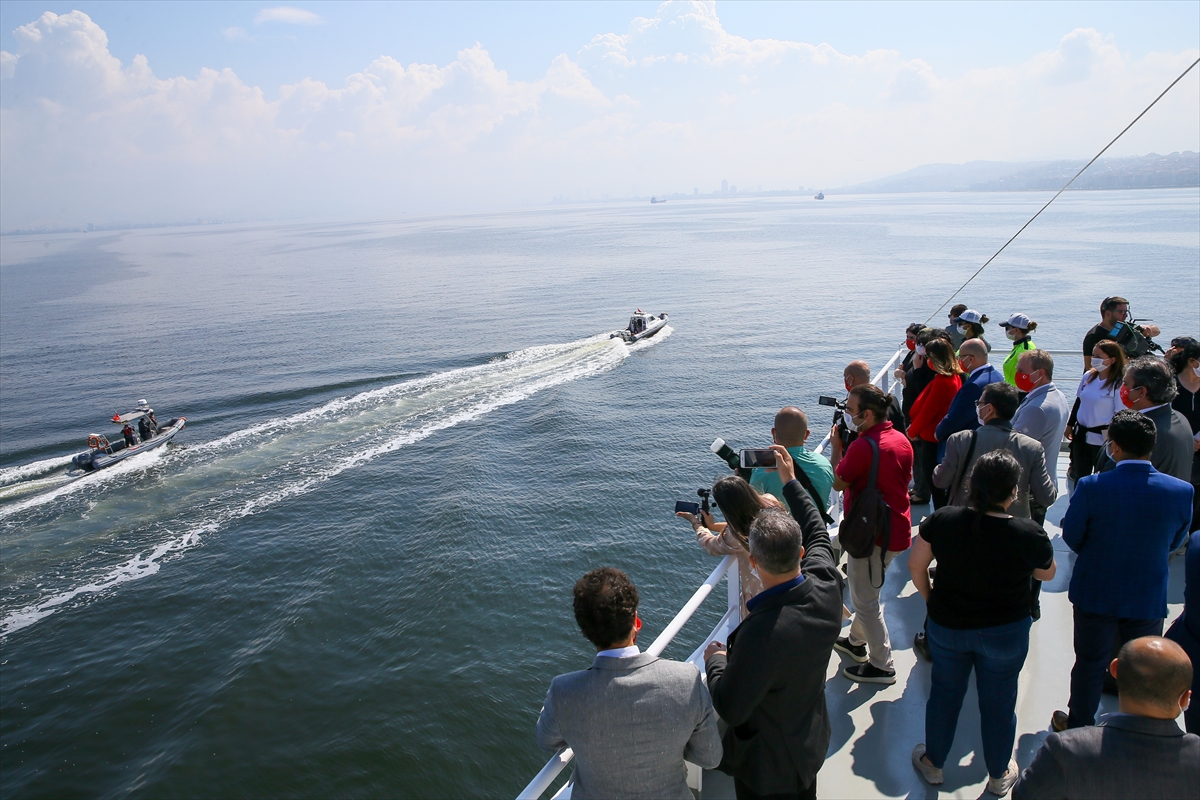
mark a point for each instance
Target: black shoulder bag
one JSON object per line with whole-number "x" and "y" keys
{"x": 869, "y": 520}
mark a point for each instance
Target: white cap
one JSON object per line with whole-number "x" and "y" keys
{"x": 1017, "y": 321}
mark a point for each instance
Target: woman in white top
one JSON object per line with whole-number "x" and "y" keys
{"x": 1096, "y": 400}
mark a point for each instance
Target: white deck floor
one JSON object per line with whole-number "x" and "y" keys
{"x": 875, "y": 727}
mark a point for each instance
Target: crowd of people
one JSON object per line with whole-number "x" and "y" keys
{"x": 978, "y": 445}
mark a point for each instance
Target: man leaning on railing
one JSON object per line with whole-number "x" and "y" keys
{"x": 631, "y": 718}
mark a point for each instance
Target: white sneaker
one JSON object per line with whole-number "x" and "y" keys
{"x": 1001, "y": 786}
{"x": 929, "y": 772}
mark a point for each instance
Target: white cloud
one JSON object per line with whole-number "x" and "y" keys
{"x": 287, "y": 14}
{"x": 673, "y": 102}
{"x": 236, "y": 34}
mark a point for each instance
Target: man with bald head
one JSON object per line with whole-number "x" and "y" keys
{"x": 858, "y": 373}
{"x": 963, "y": 416}
{"x": 791, "y": 431}
{"x": 1138, "y": 751}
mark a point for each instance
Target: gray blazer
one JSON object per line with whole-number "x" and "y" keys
{"x": 631, "y": 722}
{"x": 1121, "y": 756}
{"x": 997, "y": 435}
{"x": 1172, "y": 444}
{"x": 1043, "y": 415}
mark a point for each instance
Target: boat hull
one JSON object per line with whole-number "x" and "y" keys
{"x": 99, "y": 459}
{"x": 653, "y": 326}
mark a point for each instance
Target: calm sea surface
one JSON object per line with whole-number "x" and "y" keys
{"x": 350, "y": 575}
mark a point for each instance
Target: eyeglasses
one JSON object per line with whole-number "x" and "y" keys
{"x": 981, "y": 404}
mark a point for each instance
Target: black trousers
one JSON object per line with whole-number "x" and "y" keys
{"x": 743, "y": 792}
{"x": 924, "y": 461}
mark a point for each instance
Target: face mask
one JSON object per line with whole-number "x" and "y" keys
{"x": 1196, "y": 369}
{"x": 850, "y": 423}
{"x": 1025, "y": 382}
{"x": 1104, "y": 364}
{"x": 1125, "y": 396}
{"x": 911, "y": 344}
{"x": 1014, "y": 334}
{"x": 964, "y": 330}
{"x": 920, "y": 349}
{"x": 963, "y": 366}
{"x": 979, "y": 418}
{"x": 1108, "y": 452}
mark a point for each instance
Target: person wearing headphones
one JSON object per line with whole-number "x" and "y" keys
{"x": 1113, "y": 310}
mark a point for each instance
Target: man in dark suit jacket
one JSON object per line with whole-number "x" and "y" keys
{"x": 1150, "y": 386}
{"x": 1124, "y": 524}
{"x": 962, "y": 416}
{"x": 632, "y": 718}
{"x": 1139, "y": 751}
{"x": 770, "y": 685}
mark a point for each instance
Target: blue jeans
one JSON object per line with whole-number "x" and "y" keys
{"x": 1094, "y": 635}
{"x": 997, "y": 655}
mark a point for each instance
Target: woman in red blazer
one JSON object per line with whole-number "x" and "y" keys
{"x": 927, "y": 411}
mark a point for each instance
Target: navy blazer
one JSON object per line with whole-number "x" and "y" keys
{"x": 961, "y": 416}
{"x": 1124, "y": 524}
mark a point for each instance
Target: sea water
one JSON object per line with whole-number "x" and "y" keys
{"x": 351, "y": 573}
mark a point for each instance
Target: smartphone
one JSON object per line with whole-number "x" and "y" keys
{"x": 691, "y": 508}
{"x": 757, "y": 458}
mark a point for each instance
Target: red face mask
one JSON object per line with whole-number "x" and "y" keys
{"x": 1024, "y": 382}
{"x": 1125, "y": 396}
{"x": 963, "y": 365}
{"x": 911, "y": 344}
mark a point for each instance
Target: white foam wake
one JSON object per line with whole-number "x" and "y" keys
{"x": 253, "y": 469}
{"x": 26, "y": 471}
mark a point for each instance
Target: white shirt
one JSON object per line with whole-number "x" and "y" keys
{"x": 1097, "y": 404}
{"x": 621, "y": 652}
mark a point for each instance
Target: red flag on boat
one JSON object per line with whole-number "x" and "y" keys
{"x": 116, "y": 417}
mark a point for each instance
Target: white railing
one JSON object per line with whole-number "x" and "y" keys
{"x": 733, "y": 616}
{"x": 541, "y": 782}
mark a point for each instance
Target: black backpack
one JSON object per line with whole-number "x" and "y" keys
{"x": 869, "y": 520}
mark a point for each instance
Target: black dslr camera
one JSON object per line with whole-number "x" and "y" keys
{"x": 839, "y": 419}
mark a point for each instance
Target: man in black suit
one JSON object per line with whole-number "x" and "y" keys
{"x": 1139, "y": 751}
{"x": 770, "y": 684}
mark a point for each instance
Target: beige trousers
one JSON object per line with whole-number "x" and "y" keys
{"x": 868, "y": 626}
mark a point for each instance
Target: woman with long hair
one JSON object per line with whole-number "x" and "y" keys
{"x": 979, "y": 614}
{"x": 740, "y": 503}
{"x": 1096, "y": 400}
{"x": 927, "y": 411}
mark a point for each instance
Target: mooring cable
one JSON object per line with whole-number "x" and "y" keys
{"x": 1060, "y": 191}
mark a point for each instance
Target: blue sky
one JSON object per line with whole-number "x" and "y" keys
{"x": 513, "y": 103}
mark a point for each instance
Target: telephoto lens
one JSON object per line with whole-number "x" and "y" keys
{"x": 726, "y": 453}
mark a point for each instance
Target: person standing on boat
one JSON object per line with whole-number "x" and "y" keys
{"x": 977, "y": 373}
{"x": 970, "y": 326}
{"x": 127, "y": 432}
{"x": 768, "y": 685}
{"x": 1018, "y": 329}
{"x": 791, "y": 431}
{"x": 1096, "y": 400}
{"x": 867, "y": 642}
{"x": 1149, "y": 388}
{"x": 631, "y": 718}
{"x": 1043, "y": 413}
{"x": 144, "y": 429}
{"x": 956, "y": 336}
{"x": 1123, "y": 524}
{"x": 1184, "y": 357}
{"x": 929, "y": 410}
{"x": 1113, "y": 310}
{"x": 979, "y": 615}
{"x": 1185, "y": 630}
{"x": 1138, "y": 751}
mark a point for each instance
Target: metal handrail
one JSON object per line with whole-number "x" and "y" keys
{"x": 541, "y": 782}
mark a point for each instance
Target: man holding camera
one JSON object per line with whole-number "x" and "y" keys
{"x": 769, "y": 683}
{"x": 858, "y": 373}
{"x": 631, "y": 718}
{"x": 1113, "y": 310}
{"x": 868, "y": 642}
{"x": 791, "y": 432}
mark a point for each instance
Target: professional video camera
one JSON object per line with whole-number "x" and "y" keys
{"x": 1133, "y": 339}
{"x": 845, "y": 433}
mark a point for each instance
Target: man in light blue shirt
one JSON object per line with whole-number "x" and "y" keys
{"x": 791, "y": 431}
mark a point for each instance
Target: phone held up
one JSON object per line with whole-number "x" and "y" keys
{"x": 686, "y": 507}
{"x": 757, "y": 458}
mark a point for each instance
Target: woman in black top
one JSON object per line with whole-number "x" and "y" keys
{"x": 1184, "y": 357}
{"x": 978, "y": 614}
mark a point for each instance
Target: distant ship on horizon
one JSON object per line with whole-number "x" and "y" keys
{"x": 819, "y": 196}
{"x": 656, "y": 200}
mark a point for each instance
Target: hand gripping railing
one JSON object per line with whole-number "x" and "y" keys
{"x": 541, "y": 782}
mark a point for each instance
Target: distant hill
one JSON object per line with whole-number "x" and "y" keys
{"x": 1138, "y": 172}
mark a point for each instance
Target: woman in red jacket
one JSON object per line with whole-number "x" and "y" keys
{"x": 930, "y": 406}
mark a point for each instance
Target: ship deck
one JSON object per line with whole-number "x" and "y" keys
{"x": 875, "y": 727}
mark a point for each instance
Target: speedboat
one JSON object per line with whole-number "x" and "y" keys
{"x": 129, "y": 442}
{"x": 641, "y": 326}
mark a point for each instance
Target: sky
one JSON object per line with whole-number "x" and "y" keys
{"x": 143, "y": 112}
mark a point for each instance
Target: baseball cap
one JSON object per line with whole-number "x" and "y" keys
{"x": 1017, "y": 321}
{"x": 970, "y": 315}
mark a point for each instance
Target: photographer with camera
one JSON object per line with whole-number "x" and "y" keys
{"x": 868, "y": 642}
{"x": 856, "y": 373}
{"x": 740, "y": 503}
{"x": 791, "y": 431}
{"x": 1114, "y": 310}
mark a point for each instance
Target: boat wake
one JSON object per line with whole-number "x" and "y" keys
{"x": 201, "y": 488}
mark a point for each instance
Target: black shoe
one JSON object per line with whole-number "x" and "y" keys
{"x": 858, "y": 652}
{"x": 921, "y": 645}
{"x": 869, "y": 673}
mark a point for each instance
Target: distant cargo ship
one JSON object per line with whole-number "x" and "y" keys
{"x": 656, "y": 200}
{"x": 819, "y": 196}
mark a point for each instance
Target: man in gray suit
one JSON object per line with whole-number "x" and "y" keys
{"x": 1150, "y": 386}
{"x": 1139, "y": 751}
{"x": 995, "y": 410}
{"x": 632, "y": 719}
{"x": 1042, "y": 415}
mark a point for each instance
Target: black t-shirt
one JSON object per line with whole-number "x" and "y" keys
{"x": 983, "y": 567}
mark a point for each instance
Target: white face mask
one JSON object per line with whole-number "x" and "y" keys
{"x": 1104, "y": 364}
{"x": 1015, "y": 333}
{"x": 920, "y": 350}
{"x": 850, "y": 423}
{"x": 964, "y": 330}
{"x": 979, "y": 419}
{"x": 1196, "y": 369}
